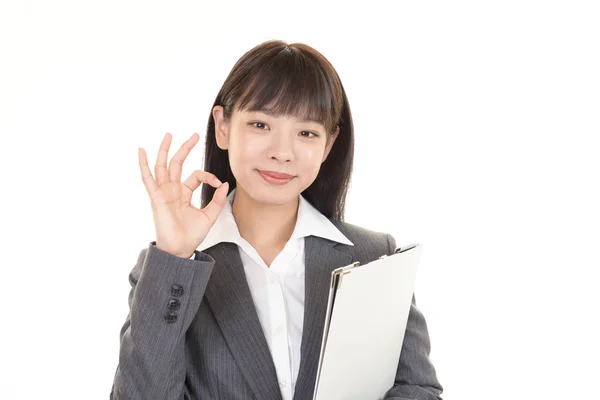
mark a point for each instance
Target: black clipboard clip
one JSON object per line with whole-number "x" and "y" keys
{"x": 405, "y": 248}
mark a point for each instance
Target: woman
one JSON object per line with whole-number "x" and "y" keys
{"x": 229, "y": 301}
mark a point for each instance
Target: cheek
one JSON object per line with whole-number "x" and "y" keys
{"x": 253, "y": 146}
{"x": 311, "y": 157}
{"x": 245, "y": 148}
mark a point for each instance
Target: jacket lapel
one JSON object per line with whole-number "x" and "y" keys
{"x": 322, "y": 256}
{"x": 230, "y": 299}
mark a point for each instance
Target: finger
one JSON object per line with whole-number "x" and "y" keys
{"x": 197, "y": 177}
{"x": 215, "y": 206}
{"x": 160, "y": 170}
{"x": 176, "y": 163}
{"x": 147, "y": 177}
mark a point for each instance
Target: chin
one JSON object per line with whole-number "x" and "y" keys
{"x": 275, "y": 195}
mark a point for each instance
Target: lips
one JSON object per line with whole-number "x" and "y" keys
{"x": 277, "y": 175}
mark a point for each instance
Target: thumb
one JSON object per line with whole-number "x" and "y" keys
{"x": 215, "y": 206}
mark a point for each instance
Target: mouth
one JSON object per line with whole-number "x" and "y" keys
{"x": 276, "y": 178}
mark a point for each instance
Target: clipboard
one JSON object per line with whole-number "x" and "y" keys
{"x": 366, "y": 317}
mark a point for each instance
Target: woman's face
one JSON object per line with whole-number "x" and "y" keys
{"x": 260, "y": 142}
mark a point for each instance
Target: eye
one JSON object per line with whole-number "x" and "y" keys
{"x": 258, "y": 124}
{"x": 312, "y": 133}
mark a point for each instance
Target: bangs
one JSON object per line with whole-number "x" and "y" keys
{"x": 294, "y": 84}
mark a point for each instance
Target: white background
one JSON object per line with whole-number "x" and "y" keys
{"x": 477, "y": 127}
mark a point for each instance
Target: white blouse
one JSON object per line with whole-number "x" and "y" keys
{"x": 278, "y": 290}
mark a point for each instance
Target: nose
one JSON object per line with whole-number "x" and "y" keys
{"x": 281, "y": 148}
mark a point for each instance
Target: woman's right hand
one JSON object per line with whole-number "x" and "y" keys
{"x": 180, "y": 227}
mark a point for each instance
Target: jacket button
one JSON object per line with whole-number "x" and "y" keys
{"x": 171, "y": 317}
{"x": 173, "y": 304}
{"x": 176, "y": 290}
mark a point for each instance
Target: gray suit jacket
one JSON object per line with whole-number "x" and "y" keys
{"x": 192, "y": 331}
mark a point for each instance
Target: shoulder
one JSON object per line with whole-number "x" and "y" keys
{"x": 366, "y": 241}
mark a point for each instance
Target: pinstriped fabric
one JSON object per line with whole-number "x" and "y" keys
{"x": 228, "y": 296}
{"x": 322, "y": 258}
{"x": 217, "y": 349}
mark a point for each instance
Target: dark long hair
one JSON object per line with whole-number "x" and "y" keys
{"x": 289, "y": 79}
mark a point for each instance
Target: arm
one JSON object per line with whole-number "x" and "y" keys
{"x": 416, "y": 377}
{"x": 151, "y": 356}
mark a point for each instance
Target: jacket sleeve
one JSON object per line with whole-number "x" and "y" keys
{"x": 165, "y": 294}
{"x": 416, "y": 377}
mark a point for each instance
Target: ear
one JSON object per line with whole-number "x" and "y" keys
{"x": 221, "y": 128}
{"x": 330, "y": 140}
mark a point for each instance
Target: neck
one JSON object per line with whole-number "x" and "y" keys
{"x": 264, "y": 225}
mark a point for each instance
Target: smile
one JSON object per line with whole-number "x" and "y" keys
{"x": 275, "y": 180}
